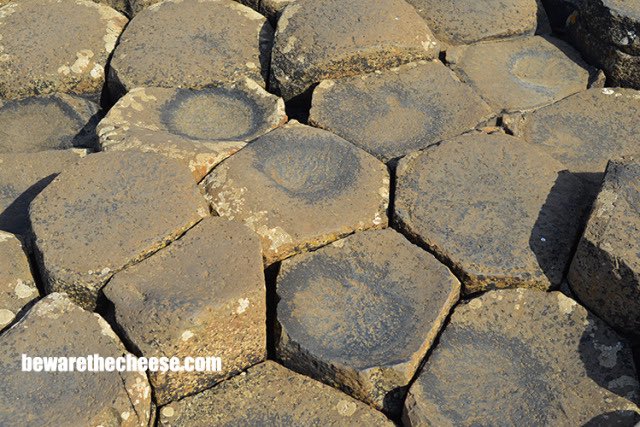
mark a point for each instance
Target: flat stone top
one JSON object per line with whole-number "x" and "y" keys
{"x": 517, "y": 355}
{"x": 585, "y": 130}
{"x": 372, "y": 299}
{"x": 55, "y": 46}
{"x": 392, "y": 113}
{"x": 109, "y": 210}
{"x": 624, "y": 8}
{"x": 521, "y": 74}
{"x": 469, "y": 21}
{"x": 269, "y": 394}
{"x": 47, "y": 123}
{"x": 214, "y": 263}
{"x": 498, "y": 208}
{"x": 175, "y": 44}
{"x": 57, "y": 327}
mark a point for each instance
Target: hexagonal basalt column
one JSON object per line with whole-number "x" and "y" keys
{"x": 322, "y": 39}
{"x": 525, "y": 356}
{"x": 203, "y": 296}
{"x": 49, "y": 46}
{"x": 605, "y": 273}
{"x": 17, "y": 287}
{"x": 392, "y": 113}
{"x": 522, "y": 74}
{"x": 300, "y": 188}
{"x": 224, "y": 42}
{"x": 498, "y": 210}
{"x": 107, "y": 212}
{"x": 198, "y": 127}
{"x": 361, "y": 314}
{"x": 270, "y": 395}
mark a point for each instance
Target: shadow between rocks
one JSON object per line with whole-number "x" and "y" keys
{"x": 15, "y": 217}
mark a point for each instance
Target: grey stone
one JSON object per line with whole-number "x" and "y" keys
{"x": 500, "y": 211}
{"x": 605, "y": 273}
{"x": 270, "y": 395}
{"x": 325, "y": 39}
{"x": 616, "y": 22}
{"x": 392, "y": 113}
{"x": 300, "y": 188}
{"x": 525, "y": 357}
{"x": 107, "y": 212}
{"x": 203, "y": 296}
{"x": 361, "y": 313}
{"x": 17, "y": 287}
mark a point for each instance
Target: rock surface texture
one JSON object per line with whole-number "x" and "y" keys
{"x": 346, "y": 39}
{"x": 107, "y": 212}
{"x": 360, "y": 314}
{"x": 269, "y": 394}
{"x": 512, "y": 220}
{"x": 49, "y": 46}
{"x": 300, "y": 172}
{"x": 525, "y": 356}
{"x": 17, "y": 287}
{"x": 198, "y": 127}
{"x": 204, "y": 295}
{"x": 605, "y": 273}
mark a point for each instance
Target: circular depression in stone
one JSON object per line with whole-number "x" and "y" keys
{"x": 214, "y": 114}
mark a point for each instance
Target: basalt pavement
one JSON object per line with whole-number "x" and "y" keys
{"x": 375, "y": 212}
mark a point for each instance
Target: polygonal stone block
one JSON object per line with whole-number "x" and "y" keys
{"x": 469, "y": 21}
{"x": 22, "y": 177}
{"x": 107, "y": 212}
{"x": 522, "y": 74}
{"x": 361, "y": 314}
{"x": 55, "y": 327}
{"x": 175, "y": 44}
{"x": 392, "y": 113}
{"x": 272, "y": 9}
{"x": 300, "y": 188}
{"x": 615, "y": 22}
{"x": 270, "y": 395}
{"x": 525, "y": 357}
{"x": 204, "y": 295}
{"x": 605, "y": 273}
{"x": 49, "y": 46}
{"x": 585, "y": 130}
{"x": 325, "y": 39}
{"x": 47, "y": 123}
{"x": 198, "y": 127}
{"x": 499, "y": 211}
{"x": 17, "y": 287}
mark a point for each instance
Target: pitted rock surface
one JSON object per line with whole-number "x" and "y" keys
{"x": 49, "y": 46}
{"x": 47, "y": 123}
{"x": 522, "y": 74}
{"x": 512, "y": 219}
{"x": 22, "y": 177}
{"x": 107, "y": 212}
{"x": 458, "y": 22}
{"x": 325, "y": 39}
{"x": 57, "y": 327}
{"x": 175, "y": 44}
{"x": 198, "y": 127}
{"x": 392, "y": 113}
{"x": 297, "y": 172}
{"x": 361, "y": 313}
{"x": 605, "y": 273}
{"x": 585, "y": 130}
{"x": 525, "y": 357}
{"x": 203, "y": 295}
{"x": 270, "y": 395}
{"x": 17, "y": 287}
{"x": 272, "y": 9}
{"x": 616, "y": 22}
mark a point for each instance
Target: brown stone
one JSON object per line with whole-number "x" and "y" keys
{"x": 525, "y": 357}
{"x": 361, "y": 313}
{"x": 49, "y": 46}
{"x": 198, "y": 127}
{"x": 300, "y": 188}
{"x": 499, "y": 211}
{"x": 17, "y": 287}
{"x": 270, "y": 395}
{"x": 203, "y": 296}
{"x": 107, "y": 212}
